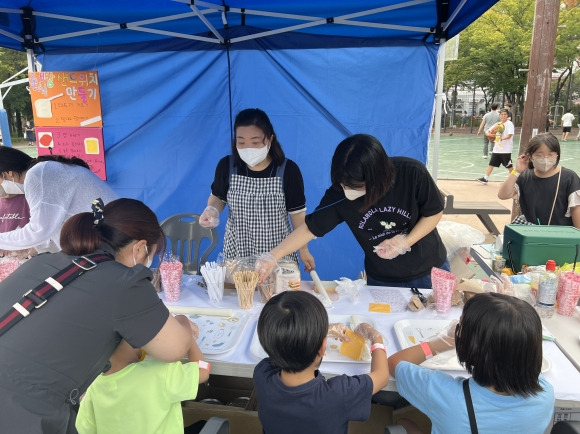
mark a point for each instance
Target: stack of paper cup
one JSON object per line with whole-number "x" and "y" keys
{"x": 171, "y": 274}
{"x": 214, "y": 276}
{"x": 568, "y": 292}
{"x": 443, "y": 283}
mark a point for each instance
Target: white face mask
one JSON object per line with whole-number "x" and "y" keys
{"x": 542, "y": 164}
{"x": 11, "y": 187}
{"x": 353, "y": 194}
{"x": 149, "y": 261}
{"x": 253, "y": 156}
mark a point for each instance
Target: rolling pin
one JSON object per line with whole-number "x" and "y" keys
{"x": 207, "y": 311}
{"x": 320, "y": 288}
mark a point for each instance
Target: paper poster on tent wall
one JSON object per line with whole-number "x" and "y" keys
{"x": 84, "y": 143}
{"x": 65, "y": 99}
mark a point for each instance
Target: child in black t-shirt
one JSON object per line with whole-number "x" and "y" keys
{"x": 292, "y": 394}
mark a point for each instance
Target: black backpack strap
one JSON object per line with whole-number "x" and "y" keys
{"x": 37, "y": 297}
{"x": 470, "y": 412}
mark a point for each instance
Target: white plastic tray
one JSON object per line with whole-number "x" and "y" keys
{"x": 332, "y": 345}
{"x": 219, "y": 334}
{"x": 411, "y": 332}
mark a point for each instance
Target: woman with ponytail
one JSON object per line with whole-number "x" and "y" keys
{"x": 48, "y": 358}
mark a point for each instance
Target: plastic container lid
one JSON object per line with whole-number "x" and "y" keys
{"x": 551, "y": 265}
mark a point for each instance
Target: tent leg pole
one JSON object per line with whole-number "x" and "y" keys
{"x": 438, "y": 100}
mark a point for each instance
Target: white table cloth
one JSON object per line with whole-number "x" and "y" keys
{"x": 240, "y": 361}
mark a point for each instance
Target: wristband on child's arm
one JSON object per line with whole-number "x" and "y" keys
{"x": 514, "y": 172}
{"x": 426, "y": 350}
{"x": 203, "y": 365}
{"x": 378, "y": 346}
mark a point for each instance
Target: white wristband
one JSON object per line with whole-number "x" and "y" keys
{"x": 203, "y": 365}
{"x": 378, "y": 346}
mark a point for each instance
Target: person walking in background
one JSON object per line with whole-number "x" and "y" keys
{"x": 463, "y": 119}
{"x": 567, "y": 119}
{"x": 261, "y": 187}
{"x": 502, "y": 150}
{"x": 548, "y": 121}
{"x": 29, "y": 134}
{"x": 489, "y": 119}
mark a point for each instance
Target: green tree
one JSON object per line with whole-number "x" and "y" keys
{"x": 17, "y": 100}
{"x": 493, "y": 50}
{"x": 567, "y": 52}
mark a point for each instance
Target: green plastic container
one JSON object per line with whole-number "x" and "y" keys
{"x": 534, "y": 245}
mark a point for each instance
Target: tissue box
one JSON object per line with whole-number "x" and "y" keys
{"x": 535, "y": 244}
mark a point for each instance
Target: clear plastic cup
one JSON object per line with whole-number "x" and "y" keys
{"x": 568, "y": 293}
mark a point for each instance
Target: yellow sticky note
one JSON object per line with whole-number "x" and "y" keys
{"x": 380, "y": 307}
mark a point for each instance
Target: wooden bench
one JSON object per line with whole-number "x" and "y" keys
{"x": 481, "y": 209}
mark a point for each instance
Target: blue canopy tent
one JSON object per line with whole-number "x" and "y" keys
{"x": 173, "y": 74}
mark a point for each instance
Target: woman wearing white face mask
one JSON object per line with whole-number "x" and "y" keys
{"x": 55, "y": 188}
{"x": 547, "y": 192}
{"x": 391, "y": 205}
{"x": 261, "y": 187}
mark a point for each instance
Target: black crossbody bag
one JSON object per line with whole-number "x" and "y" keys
{"x": 36, "y": 298}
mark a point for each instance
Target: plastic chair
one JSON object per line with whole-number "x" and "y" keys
{"x": 216, "y": 425}
{"x": 566, "y": 427}
{"x": 186, "y": 236}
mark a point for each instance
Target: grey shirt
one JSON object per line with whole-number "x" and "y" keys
{"x": 489, "y": 119}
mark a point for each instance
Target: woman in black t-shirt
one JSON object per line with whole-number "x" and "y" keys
{"x": 392, "y": 207}
{"x": 548, "y": 194}
{"x": 262, "y": 189}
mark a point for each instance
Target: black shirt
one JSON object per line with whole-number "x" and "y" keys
{"x": 413, "y": 195}
{"x": 293, "y": 183}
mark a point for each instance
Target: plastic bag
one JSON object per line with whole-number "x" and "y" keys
{"x": 349, "y": 287}
{"x": 458, "y": 238}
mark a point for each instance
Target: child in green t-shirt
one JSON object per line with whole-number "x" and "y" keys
{"x": 141, "y": 396}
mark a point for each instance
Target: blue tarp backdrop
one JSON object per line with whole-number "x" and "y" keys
{"x": 168, "y": 102}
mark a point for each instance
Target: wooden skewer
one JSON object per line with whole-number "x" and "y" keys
{"x": 245, "y": 282}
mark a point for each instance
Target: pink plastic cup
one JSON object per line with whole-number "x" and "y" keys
{"x": 171, "y": 273}
{"x": 7, "y": 267}
{"x": 568, "y": 292}
{"x": 443, "y": 283}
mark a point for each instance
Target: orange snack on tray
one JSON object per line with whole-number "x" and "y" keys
{"x": 354, "y": 347}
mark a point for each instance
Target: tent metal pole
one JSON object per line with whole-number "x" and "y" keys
{"x": 438, "y": 101}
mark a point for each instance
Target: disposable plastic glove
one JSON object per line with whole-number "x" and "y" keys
{"x": 210, "y": 217}
{"x": 393, "y": 247}
{"x": 368, "y": 332}
{"x": 444, "y": 340}
{"x": 265, "y": 265}
{"x": 337, "y": 331}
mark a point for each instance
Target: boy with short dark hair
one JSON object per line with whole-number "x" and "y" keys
{"x": 293, "y": 397}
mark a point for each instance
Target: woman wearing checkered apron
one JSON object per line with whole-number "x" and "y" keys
{"x": 262, "y": 189}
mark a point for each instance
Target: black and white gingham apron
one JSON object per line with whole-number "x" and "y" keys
{"x": 258, "y": 220}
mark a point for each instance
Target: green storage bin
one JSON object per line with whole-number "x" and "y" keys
{"x": 534, "y": 245}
